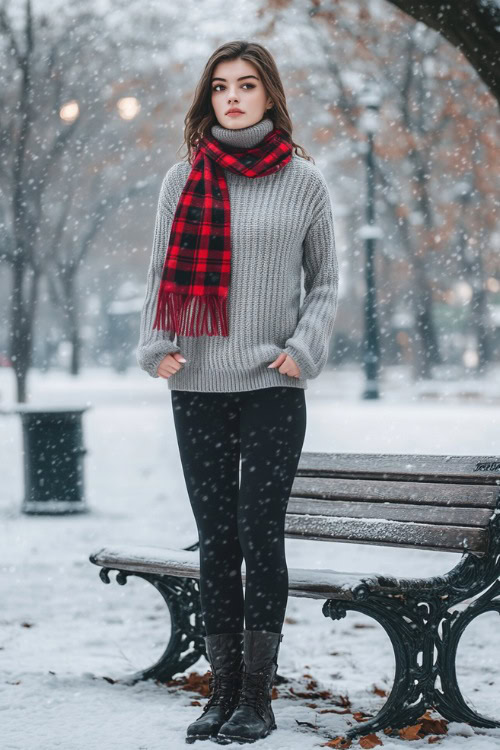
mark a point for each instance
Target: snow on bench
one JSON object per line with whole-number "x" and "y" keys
{"x": 319, "y": 583}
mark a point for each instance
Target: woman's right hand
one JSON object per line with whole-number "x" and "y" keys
{"x": 170, "y": 364}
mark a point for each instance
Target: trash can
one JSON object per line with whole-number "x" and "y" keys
{"x": 53, "y": 459}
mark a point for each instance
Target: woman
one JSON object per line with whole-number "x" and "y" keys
{"x": 235, "y": 225}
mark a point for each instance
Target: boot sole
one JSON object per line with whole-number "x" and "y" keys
{"x": 190, "y": 740}
{"x": 225, "y": 739}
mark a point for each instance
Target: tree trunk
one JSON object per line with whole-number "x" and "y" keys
{"x": 24, "y": 300}
{"x": 72, "y": 322}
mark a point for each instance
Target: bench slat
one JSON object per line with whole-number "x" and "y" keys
{"x": 413, "y": 493}
{"x": 388, "y": 533}
{"x": 422, "y": 468}
{"x": 473, "y": 517}
{"x": 315, "y": 584}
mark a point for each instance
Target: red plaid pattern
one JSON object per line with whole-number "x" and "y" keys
{"x": 192, "y": 299}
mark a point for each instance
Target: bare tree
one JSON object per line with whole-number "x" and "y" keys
{"x": 435, "y": 117}
{"x": 68, "y": 257}
{"x": 63, "y": 160}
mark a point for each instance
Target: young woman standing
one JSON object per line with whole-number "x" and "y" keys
{"x": 235, "y": 224}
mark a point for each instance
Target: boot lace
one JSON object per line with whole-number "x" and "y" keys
{"x": 254, "y": 691}
{"x": 222, "y": 686}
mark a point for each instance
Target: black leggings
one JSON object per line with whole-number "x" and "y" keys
{"x": 241, "y": 521}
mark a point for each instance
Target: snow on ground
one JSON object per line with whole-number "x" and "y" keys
{"x": 63, "y": 632}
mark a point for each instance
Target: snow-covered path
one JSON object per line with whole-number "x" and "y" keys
{"x": 63, "y": 632}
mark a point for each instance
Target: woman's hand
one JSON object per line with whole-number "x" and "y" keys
{"x": 170, "y": 364}
{"x": 288, "y": 365}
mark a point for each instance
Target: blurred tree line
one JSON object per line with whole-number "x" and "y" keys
{"x": 91, "y": 117}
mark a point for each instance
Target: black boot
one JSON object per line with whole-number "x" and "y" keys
{"x": 253, "y": 717}
{"x": 224, "y": 652}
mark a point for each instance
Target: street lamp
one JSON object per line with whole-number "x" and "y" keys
{"x": 369, "y": 99}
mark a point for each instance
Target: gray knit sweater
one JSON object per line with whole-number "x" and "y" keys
{"x": 279, "y": 224}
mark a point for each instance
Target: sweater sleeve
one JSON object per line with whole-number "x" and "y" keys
{"x": 153, "y": 343}
{"x": 309, "y": 343}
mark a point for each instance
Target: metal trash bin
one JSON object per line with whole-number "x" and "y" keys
{"x": 53, "y": 459}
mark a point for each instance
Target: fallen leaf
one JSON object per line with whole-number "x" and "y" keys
{"x": 194, "y": 682}
{"x": 361, "y": 716}
{"x": 341, "y": 742}
{"x": 411, "y": 732}
{"x": 433, "y": 726}
{"x": 344, "y": 701}
{"x": 370, "y": 740}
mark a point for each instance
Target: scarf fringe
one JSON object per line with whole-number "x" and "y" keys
{"x": 173, "y": 314}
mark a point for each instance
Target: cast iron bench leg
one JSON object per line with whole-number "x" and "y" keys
{"x": 403, "y": 704}
{"x": 450, "y": 702}
{"x": 413, "y": 624}
{"x": 186, "y": 643}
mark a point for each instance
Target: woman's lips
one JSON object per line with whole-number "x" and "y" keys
{"x": 234, "y": 114}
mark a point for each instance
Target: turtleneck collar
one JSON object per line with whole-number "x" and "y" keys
{"x": 243, "y": 137}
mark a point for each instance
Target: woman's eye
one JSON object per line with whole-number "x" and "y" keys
{"x": 221, "y": 85}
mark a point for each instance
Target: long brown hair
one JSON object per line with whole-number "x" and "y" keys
{"x": 201, "y": 116}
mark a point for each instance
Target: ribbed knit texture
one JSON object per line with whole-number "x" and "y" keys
{"x": 279, "y": 224}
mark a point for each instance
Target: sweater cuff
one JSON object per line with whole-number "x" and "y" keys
{"x": 303, "y": 360}
{"x": 149, "y": 357}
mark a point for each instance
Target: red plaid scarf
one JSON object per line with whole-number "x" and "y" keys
{"x": 192, "y": 299}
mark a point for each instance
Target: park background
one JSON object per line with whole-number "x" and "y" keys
{"x": 405, "y": 128}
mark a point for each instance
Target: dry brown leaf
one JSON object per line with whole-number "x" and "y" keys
{"x": 433, "y": 726}
{"x": 312, "y": 694}
{"x": 341, "y": 742}
{"x": 370, "y": 740}
{"x": 195, "y": 682}
{"x": 411, "y": 732}
{"x": 344, "y": 701}
{"x": 361, "y": 716}
{"x": 425, "y": 726}
{"x": 380, "y": 691}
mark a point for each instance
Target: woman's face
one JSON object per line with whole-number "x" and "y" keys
{"x": 236, "y": 84}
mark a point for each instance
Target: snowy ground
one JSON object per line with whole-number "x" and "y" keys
{"x": 66, "y": 636}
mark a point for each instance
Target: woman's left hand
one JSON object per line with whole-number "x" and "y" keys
{"x": 288, "y": 365}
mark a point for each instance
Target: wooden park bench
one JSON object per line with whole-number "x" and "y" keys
{"x": 432, "y": 502}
